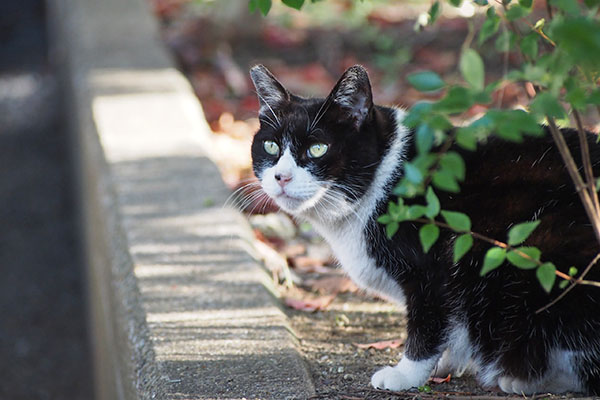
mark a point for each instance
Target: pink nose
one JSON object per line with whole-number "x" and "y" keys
{"x": 283, "y": 179}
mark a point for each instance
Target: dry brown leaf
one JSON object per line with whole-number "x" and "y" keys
{"x": 309, "y": 264}
{"x": 313, "y": 305}
{"x": 294, "y": 250}
{"x": 385, "y": 344}
{"x": 333, "y": 284}
{"x": 441, "y": 380}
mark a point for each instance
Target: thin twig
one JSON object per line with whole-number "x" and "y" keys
{"x": 587, "y": 163}
{"x": 549, "y": 9}
{"x": 573, "y": 284}
{"x": 573, "y": 171}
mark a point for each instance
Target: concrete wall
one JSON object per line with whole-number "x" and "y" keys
{"x": 178, "y": 306}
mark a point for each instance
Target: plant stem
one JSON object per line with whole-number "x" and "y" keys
{"x": 574, "y": 282}
{"x": 572, "y": 169}
{"x": 586, "y": 160}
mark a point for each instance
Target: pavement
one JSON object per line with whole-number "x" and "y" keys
{"x": 43, "y": 330}
{"x": 180, "y": 307}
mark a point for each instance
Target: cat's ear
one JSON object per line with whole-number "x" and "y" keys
{"x": 271, "y": 93}
{"x": 352, "y": 95}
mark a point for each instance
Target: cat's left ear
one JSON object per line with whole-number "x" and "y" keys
{"x": 271, "y": 93}
{"x": 352, "y": 95}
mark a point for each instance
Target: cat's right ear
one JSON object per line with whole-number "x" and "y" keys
{"x": 271, "y": 93}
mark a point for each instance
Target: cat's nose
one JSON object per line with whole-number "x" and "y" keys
{"x": 283, "y": 179}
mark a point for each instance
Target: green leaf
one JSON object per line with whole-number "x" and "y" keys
{"x": 472, "y": 69}
{"x": 526, "y": 3}
{"x": 457, "y": 100}
{"x": 520, "y": 232}
{"x": 466, "y": 138}
{"x": 262, "y": 5}
{"x": 433, "y": 204}
{"x": 384, "y": 219}
{"x": 529, "y": 45}
{"x": 594, "y": 97}
{"x": 577, "y": 98}
{"x": 453, "y": 163}
{"x": 570, "y": 7}
{"x": 407, "y": 189}
{"x": 428, "y": 235}
{"x": 444, "y": 180}
{"x": 505, "y": 41}
{"x": 418, "y": 112}
{"x": 456, "y": 3}
{"x": 297, "y": 4}
{"x": 563, "y": 284}
{"x": 494, "y": 257}
{"x": 462, "y": 245}
{"x": 516, "y": 12}
{"x": 573, "y": 271}
{"x": 458, "y": 221}
{"x": 510, "y": 124}
{"x": 391, "y": 229}
{"x": 415, "y": 211}
{"x": 434, "y": 12}
{"x": 546, "y": 274}
{"x": 490, "y": 26}
{"x": 580, "y": 39}
{"x": 425, "y": 137}
{"x": 426, "y": 81}
{"x": 412, "y": 173}
{"x": 546, "y": 104}
{"x": 518, "y": 260}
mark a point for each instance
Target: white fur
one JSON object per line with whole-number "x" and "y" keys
{"x": 300, "y": 193}
{"x": 347, "y": 235}
{"x": 407, "y": 374}
{"x": 457, "y": 359}
{"x": 560, "y": 378}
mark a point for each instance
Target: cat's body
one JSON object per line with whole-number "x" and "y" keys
{"x": 335, "y": 161}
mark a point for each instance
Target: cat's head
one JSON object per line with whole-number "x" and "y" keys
{"x": 317, "y": 157}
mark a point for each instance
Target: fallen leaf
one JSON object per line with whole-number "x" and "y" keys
{"x": 317, "y": 304}
{"x": 333, "y": 284}
{"x": 441, "y": 380}
{"x": 309, "y": 264}
{"x": 385, "y": 344}
{"x": 294, "y": 250}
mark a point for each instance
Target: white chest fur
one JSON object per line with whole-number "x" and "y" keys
{"x": 349, "y": 245}
{"x": 348, "y": 238}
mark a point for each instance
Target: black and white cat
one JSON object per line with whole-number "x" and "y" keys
{"x": 335, "y": 161}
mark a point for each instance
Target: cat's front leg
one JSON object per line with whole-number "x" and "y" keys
{"x": 426, "y": 324}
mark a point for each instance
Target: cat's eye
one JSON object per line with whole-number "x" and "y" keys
{"x": 271, "y": 147}
{"x": 317, "y": 150}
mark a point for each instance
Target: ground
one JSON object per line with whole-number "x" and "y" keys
{"x": 344, "y": 334}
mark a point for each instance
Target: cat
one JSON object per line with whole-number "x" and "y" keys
{"x": 335, "y": 161}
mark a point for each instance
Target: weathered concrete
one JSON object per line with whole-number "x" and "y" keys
{"x": 179, "y": 308}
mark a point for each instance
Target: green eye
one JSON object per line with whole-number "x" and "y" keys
{"x": 271, "y": 147}
{"x": 317, "y": 150}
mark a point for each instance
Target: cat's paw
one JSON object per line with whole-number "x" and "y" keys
{"x": 392, "y": 378}
{"x": 407, "y": 374}
{"x": 509, "y": 384}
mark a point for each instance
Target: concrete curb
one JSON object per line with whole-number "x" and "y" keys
{"x": 178, "y": 307}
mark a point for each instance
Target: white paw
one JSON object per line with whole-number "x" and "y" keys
{"x": 407, "y": 374}
{"x": 508, "y": 384}
{"x": 391, "y": 378}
